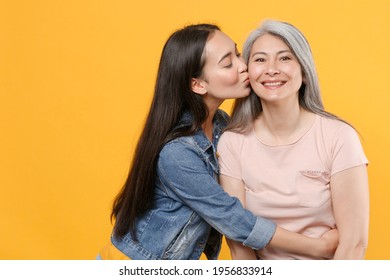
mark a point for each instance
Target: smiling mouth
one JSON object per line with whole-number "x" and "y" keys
{"x": 273, "y": 84}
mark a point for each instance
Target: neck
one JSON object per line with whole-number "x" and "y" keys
{"x": 281, "y": 118}
{"x": 281, "y": 125}
{"x": 207, "y": 126}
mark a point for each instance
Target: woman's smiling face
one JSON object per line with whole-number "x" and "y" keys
{"x": 274, "y": 71}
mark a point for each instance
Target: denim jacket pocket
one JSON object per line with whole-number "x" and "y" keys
{"x": 312, "y": 188}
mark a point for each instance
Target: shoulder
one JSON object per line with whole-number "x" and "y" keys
{"x": 177, "y": 152}
{"x": 178, "y": 146}
{"x": 332, "y": 123}
{"x": 233, "y": 140}
{"x": 233, "y": 135}
{"x": 334, "y": 130}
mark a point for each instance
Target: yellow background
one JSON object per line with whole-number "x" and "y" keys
{"x": 76, "y": 79}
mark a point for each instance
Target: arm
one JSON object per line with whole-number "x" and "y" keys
{"x": 235, "y": 187}
{"x": 186, "y": 178}
{"x": 320, "y": 248}
{"x": 282, "y": 239}
{"x": 350, "y": 199}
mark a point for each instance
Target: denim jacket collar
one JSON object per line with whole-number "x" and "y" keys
{"x": 199, "y": 136}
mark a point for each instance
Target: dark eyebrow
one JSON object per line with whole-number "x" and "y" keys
{"x": 279, "y": 52}
{"x": 226, "y": 55}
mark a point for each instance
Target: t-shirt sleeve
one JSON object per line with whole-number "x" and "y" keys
{"x": 347, "y": 150}
{"x": 228, "y": 155}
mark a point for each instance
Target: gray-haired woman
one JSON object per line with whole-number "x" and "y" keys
{"x": 285, "y": 157}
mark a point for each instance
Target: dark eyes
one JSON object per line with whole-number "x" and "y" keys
{"x": 283, "y": 58}
{"x": 260, "y": 59}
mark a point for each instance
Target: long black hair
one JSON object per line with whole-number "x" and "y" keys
{"x": 181, "y": 60}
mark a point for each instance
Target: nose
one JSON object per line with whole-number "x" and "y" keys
{"x": 272, "y": 69}
{"x": 242, "y": 66}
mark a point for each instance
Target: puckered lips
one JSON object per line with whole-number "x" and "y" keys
{"x": 246, "y": 79}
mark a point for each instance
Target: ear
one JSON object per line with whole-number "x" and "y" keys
{"x": 198, "y": 86}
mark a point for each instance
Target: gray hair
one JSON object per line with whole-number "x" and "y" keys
{"x": 245, "y": 110}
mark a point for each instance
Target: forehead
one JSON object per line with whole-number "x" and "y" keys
{"x": 218, "y": 45}
{"x": 270, "y": 43}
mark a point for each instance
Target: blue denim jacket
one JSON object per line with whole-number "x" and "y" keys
{"x": 190, "y": 209}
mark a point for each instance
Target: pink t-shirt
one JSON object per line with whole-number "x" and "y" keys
{"x": 290, "y": 184}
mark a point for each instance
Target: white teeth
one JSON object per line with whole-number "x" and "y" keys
{"x": 273, "y": 84}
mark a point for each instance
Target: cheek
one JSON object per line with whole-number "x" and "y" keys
{"x": 223, "y": 83}
{"x": 226, "y": 80}
{"x": 298, "y": 78}
{"x": 296, "y": 73}
{"x": 230, "y": 79}
{"x": 254, "y": 72}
